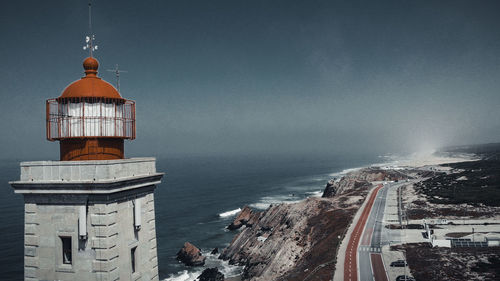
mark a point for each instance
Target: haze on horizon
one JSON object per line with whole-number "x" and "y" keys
{"x": 259, "y": 77}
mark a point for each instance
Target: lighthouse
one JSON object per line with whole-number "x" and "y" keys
{"x": 89, "y": 215}
{"x": 90, "y": 119}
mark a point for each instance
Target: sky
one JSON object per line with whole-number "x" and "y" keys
{"x": 262, "y": 77}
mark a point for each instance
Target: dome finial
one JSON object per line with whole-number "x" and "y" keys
{"x": 90, "y": 65}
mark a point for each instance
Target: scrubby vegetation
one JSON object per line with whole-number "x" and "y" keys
{"x": 474, "y": 183}
{"x": 458, "y": 264}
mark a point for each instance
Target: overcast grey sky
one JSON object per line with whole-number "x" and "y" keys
{"x": 243, "y": 77}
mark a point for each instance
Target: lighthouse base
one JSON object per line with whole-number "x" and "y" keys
{"x": 89, "y": 220}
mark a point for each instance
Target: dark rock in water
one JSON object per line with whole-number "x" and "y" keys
{"x": 245, "y": 218}
{"x": 190, "y": 255}
{"x": 215, "y": 251}
{"x": 211, "y": 274}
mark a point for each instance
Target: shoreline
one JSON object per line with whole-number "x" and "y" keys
{"x": 384, "y": 166}
{"x": 408, "y": 165}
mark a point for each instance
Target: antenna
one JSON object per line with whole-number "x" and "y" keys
{"x": 117, "y": 73}
{"x": 89, "y": 39}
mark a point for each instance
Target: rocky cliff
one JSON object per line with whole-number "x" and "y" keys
{"x": 299, "y": 241}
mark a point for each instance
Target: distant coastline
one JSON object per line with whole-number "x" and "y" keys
{"x": 267, "y": 261}
{"x": 223, "y": 185}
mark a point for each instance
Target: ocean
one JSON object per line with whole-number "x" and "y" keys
{"x": 198, "y": 197}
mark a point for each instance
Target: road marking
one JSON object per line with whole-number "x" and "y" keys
{"x": 359, "y": 227}
{"x": 378, "y": 269}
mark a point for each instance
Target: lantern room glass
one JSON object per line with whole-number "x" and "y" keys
{"x": 76, "y": 118}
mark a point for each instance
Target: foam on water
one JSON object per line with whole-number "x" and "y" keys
{"x": 183, "y": 276}
{"x": 345, "y": 172}
{"x": 388, "y": 162}
{"x": 267, "y": 201}
{"x": 309, "y": 188}
{"x": 211, "y": 261}
{"x": 315, "y": 193}
{"x": 230, "y": 213}
{"x": 294, "y": 191}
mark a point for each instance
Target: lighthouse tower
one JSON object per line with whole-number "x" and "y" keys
{"x": 91, "y": 215}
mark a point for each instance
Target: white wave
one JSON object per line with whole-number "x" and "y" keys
{"x": 230, "y": 213}
{"x": 267, "y": 201}
{"x": 223, "y": 266}
{"x": 184, "y": 276}
{"x": 315, "y": 193}
{"x": 321, "y": 179}
{"x": 260, "y": 206}
{"x": 346, "y": 171}
{"x": 388, "y": 162}
{"x": 296, "y": 192}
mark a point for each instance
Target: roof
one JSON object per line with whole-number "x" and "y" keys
{"x": 90, "y": 85}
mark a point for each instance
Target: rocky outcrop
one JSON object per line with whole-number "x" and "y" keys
{"x": 288, "y": 241}
{"x": 190, "y": 255}
{"x": 215, "y": 251}
{"x": 344, "y": 184}
{"x": 298, "y": 241}
{"x": 211, "y": 274}
{"x": 360, "y": 179}
{"x": 330, "y": 189}
{"x": 245, "y": 218}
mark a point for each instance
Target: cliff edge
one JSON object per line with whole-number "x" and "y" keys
{"x": 299, "y": 241}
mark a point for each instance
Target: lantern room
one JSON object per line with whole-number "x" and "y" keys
{"x": 90, "y": 119}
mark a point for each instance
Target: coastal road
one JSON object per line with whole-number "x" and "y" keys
{"x": 371, "y": 266}
{"x": 350, "y": 262}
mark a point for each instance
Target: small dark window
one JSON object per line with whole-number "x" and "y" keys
{"x": 66, "y": 250}
{"x": 133, "y": 258}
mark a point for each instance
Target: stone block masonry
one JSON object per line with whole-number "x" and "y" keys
{"x": 114, "y": 247}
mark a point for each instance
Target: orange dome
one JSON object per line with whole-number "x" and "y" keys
{"x": 90, "y": 86}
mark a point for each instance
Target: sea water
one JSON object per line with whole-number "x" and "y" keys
{"x": 198, "y": 197}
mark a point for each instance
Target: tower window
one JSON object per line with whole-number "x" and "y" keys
{"x": 133, "y": 258}
{"x": 66, "y": 250}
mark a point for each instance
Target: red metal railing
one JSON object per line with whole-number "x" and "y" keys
{"x": 90, "y": 117}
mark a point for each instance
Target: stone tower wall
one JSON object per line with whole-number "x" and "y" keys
{"x": 52, "y": 211}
